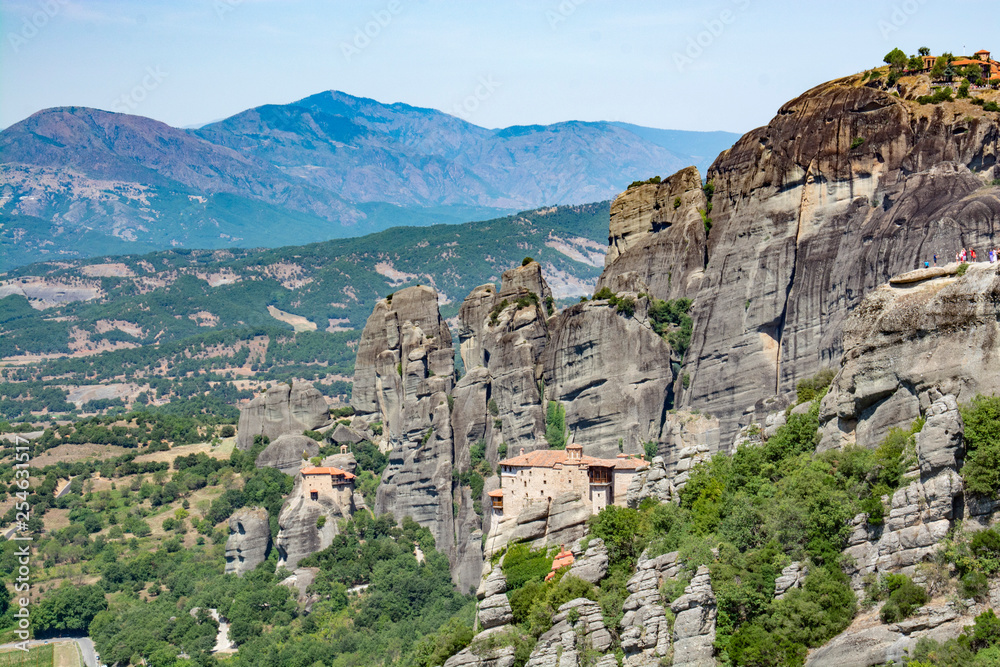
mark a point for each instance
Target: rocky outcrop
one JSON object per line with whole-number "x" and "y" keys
{"x": 282, "y": 410}
{"x": 902, "y": 344}
{"x": 249, "y": 540}
{"x": 694, "y": 626}
{"x": 561, "y": 520}
{"x": 300, "y": 531}
{"x": 688, "y": 439}
{"x": 590, "y": 564}
{"x": 611, "y": 372}
{"x": 493, "y": 618}
{"x": 922, "y": 512}
{"x": 658, "y": 237}
{"x": 652, "y": 482}
{"x": 287, "y": 453}
{"x": 577, "y": 627}
{"x": 894, "y": 643}
{"x": 793, "y": 576}
{"x": 645, "y": 630}
{"x": 403, "y": 377}
{"x": 845, "y": 188}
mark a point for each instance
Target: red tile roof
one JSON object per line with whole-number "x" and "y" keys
{"x": 496, "y": 493}
{"x": 549, "y": 458}
{"x": 335, "y": 472}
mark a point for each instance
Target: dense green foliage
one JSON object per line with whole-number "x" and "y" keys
{"x": 670, "y": 319}
{"x": 982, "y": 443}
{"x": 555, "y": 425}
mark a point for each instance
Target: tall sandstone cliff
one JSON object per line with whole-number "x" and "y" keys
{"x": 845, "y": 187}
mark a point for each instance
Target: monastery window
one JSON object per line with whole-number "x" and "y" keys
{"x": 313, "y": 495}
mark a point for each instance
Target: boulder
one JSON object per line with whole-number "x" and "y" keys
{"x": 590, "y": 565}
{"x": 578, "y": 626}
{"x": 494, "y": 611}
{"x": 694, "y": 625}
{"x": 652, "y": 482}
{"x": 288, "y": 453}
{"x": 249, "y": 540}
{"x": 940, "y": 443}
{"x": 345, "y": 435}
{"x": 283, "y": 410}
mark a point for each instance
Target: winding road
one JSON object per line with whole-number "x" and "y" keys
{"x": 86, "y": 646}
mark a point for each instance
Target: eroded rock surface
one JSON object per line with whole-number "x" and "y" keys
{"x": 645, "y": 631}
{"x": 249, "y": 540}
{"x": 805, "y": 220}
{"x": 578, "y": 626}
{"x": 288, "y": 453}
{"x": 300, "y": 533}
{"x": 902, "y": 344}
{"x": 658, "y": 236}
{"x": 922, "y": 512}
{"x": 652, "y": 482}
{"x": 282, "y": 410}
{"x": 694, "y": 626}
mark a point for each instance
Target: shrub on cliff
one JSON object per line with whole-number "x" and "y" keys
{"x": 981, "y": 471}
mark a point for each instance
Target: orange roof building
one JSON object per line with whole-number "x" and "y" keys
{"x": 564, "y": 558}
{"x": 328, "y": 484}
{"x": 542, "y": 474}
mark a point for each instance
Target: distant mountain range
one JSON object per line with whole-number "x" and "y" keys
{"x": 77, "y": 182}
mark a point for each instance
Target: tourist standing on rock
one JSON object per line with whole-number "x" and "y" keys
{"x": 972, "y": 254}
{"x": 935, "y": 259}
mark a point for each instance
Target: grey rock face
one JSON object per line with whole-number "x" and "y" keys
{"x": 611, "y": 372}
{"x": 658, "y": 237}
{"x": 940, "y": 443}
{"x": 403, "y": 376}
{"x": 803, "y": 227}
{"x": 249, "y": 540}
{"x": 577, "y": 626}
{"x": 645, "y": 634}
{"x": 922, "y": 512}
{"x": 892, "y": 643}
{"x": 299, "y": 534}
{"x": 652, "y": 482}
{"x": 903, "y": 344}
{"x": 791, "y": 577}
{"x": 494, "y": 611}
{"x": 590, "y": 565}
{"x": 345, "y": 435}
{"x": 694, "y": 626}
{"x": 688, "y": 439}
{"x": 562, "y": 520}
{"x": 282, "y": 410}
{"x": 288, "y": 453}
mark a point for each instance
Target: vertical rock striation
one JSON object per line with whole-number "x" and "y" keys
{"x": 249, "y": 540}
{"x": 282, "y": 410}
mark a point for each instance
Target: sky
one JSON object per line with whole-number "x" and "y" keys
{"x": 712, "y": 65}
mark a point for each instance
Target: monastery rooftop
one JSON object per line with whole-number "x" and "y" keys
{"x": 550, "y": 458}
{"x": 335, "y": 472}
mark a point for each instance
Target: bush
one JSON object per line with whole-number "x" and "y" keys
{"x": 808, "y": 390}
{"x": 904, "y": 598}
{"x": 981, "y": 471}
{"x": 654, "y": 180}
{"x": 858, "y": 141}
{"x": 527, "y": 260}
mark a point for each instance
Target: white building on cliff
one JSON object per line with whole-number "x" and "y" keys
{"x": 545, "y": 473}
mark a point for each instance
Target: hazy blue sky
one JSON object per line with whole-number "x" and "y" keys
{"x": 496, "y": 62}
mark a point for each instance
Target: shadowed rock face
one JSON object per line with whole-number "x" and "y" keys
{"x": 300, "y": 534}
{"x": 804, "y": 225}
{"x": 249, "y": 540}
{"x": 403, "y": 376}
{"x": 282, "y": 410}
{"x": 611, "y": 372}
